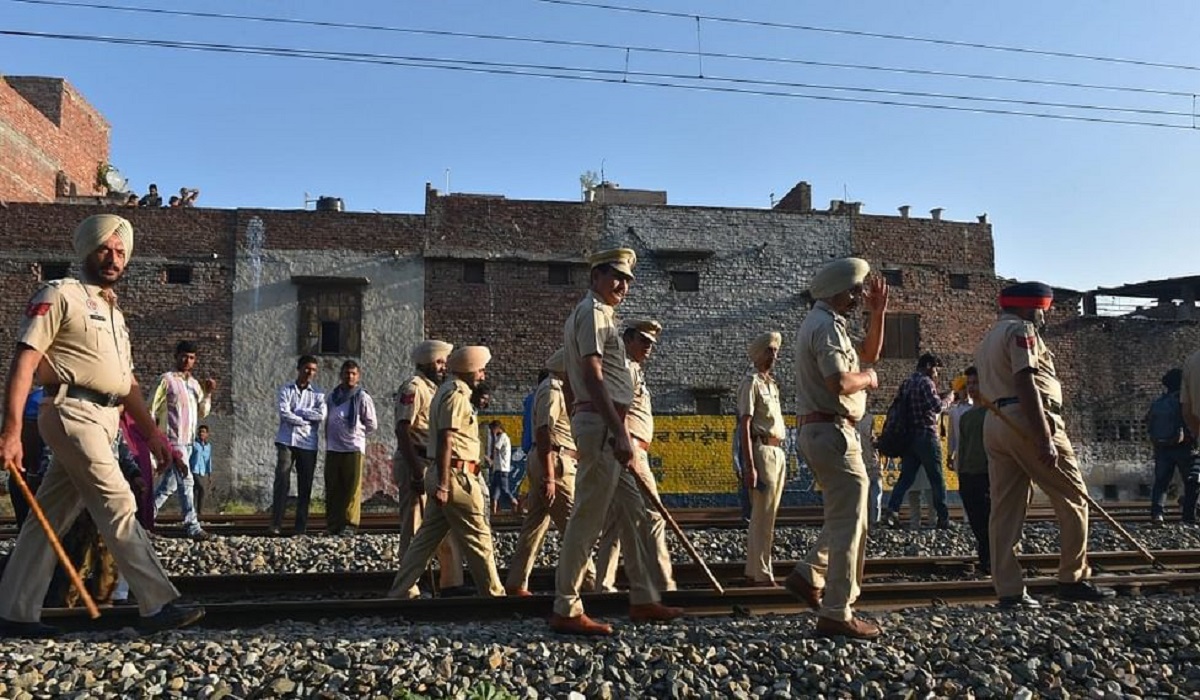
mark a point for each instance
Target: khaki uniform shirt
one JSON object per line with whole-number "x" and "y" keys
{"x": 83, "y": 337}
{"x": 758, "y": 397}
{"x": 591, "y": 329}
{"x": 823, "y": 349}
{"x": 451, "y": 410}
{"x": 1190, "y": 392}
{"x": 550, "y": 410}
{"x": 412, "y": 405}
{"x": 1011, "y": 346}
{"x": 640, "y": 419}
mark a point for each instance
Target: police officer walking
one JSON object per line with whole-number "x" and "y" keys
{"x": 414, "y": 454}
{"x": 599, "y": 375}
{"x": 639, "y": 337}
{"x": 1029, "y": 445}
{"x": 552, "y": 464}
{"x": 74, "y": 341}
{"x": 831, "y": 397}
{"x": 457, "y": 500}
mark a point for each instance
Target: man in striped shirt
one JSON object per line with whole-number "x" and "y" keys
{"x": 179, "y": 402}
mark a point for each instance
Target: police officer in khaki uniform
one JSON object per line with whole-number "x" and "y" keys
{"x": 412, "y": 458}
{"x": 831, "y": 397}
{"x": 1016, "y": 373}
{"x": 457, "y": 500}
{"x": 552, "y": 464}
{"x": 761, "y": 432}
{"x": 74, "y": 341}
{"x": 598, "y": 372}
{"x": 640, "y": 337}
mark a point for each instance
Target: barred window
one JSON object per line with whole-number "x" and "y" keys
{"x": 330, "y": 320}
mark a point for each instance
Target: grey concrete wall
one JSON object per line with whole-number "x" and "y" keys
{"x": 761, "y": 262}
{"x": 264, "y": 352}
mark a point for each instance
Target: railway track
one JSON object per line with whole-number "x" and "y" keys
{"x": 686, "y": 575}
{"x": 735, "y": 601}
{"x": 688, "y": 518}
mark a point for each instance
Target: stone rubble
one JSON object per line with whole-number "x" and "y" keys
{"x": 1125, "y": 648}
{"x": 371, "y": 552}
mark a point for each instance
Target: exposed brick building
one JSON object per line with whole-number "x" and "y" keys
{"x": 52, "y": 141}
{"x": 259, "y": 287}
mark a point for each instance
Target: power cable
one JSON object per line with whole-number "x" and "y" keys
{"x": 616, "y": 47}
{"x": 603, "y": 76}
{"x": 872, "y": 35}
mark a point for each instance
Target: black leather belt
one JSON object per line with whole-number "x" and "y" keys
{"x": 74, "y": 391}
{"x": 1049, "y": 404}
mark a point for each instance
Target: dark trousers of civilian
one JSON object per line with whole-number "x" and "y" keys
{"x": 200, "y": 485}
{"x": 976, "y": 493}
{"x": 1166, "y": 461}
{"x": 925, "y": 452}
{"x": 501, "y": 488}
{"x": 305, "y": 463}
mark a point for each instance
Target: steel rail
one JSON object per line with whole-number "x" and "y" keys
{"x": 686, "y": 575}
{"x": 735, "y": 601}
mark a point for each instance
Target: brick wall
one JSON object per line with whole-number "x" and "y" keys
{"x": 47, "y": 126}
{"x": 926, "y": 253}
{"x": 752, "y": 265}
{"x": 1111, "y": 370}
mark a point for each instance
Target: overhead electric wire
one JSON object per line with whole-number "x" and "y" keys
{"x": 872, "y": 35}
{"x": 615, "y": 47}
{"x": 578, "y": 74}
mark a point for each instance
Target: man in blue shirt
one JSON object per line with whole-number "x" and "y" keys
{"x": 201, "y": 465}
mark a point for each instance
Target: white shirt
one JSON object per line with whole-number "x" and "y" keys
{"x": 300, "y": 414}
{"x": 502, "y": 454}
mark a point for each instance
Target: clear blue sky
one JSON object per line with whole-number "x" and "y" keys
{"x": 1077, "y": 204}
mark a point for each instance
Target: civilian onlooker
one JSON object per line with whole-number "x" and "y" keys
{"x": 201, "y": 466}
{"x": 501, "y": 462}
{"x": 179, "y": 402}
{"x": 1174, "y": 449}
{"x": 131, "y": 201}
{"x": 969, "y": 458}
{"x": 301, "y": 408}
{"x": 351, "y": 415}
{"x": 152, "y": 198}
{"x": 922, "y": 406}
{"x": 174, "y": 202}
{"x": 187, "y": 196}
{"x": 866, "y": 435}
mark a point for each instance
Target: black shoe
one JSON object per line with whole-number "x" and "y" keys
{"x": 171, "y": 617}
{"x": 1019, "y": 602}
{"x": 891, "y": 519}
{"x": 28, "y": 630}
{"x": 1158, "y": 520}
{"x": 274, "y": 531}
{"x": 350, "y": 531}
{"x": 1084, "y": 591}
{"x": 463, "y": 591}
{"x": 943, "y": 525}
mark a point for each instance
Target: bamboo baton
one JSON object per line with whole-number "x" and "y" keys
{"x": 63, "y": 559}
{"x": 1080, "y": 489}
{"x": 654, "y": 500}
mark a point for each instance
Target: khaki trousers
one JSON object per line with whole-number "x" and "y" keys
{"x": 654, "y": 539}
{"x": 835, "y": 562}
{"x": 83, "y": 474}
{"x": 412, "y": 508}
{"x": 343, "y": 490}
{"x": 1012, "y": 467}
{"x": 465, "y": 515}
{"x": 764, "y": 506}
{"x": 601, "y": 483}
{"x": 539, "y": 514}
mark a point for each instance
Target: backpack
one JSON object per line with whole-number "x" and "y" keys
{"x": 1164, "y": 421}
{"x": 895, "y": 436}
